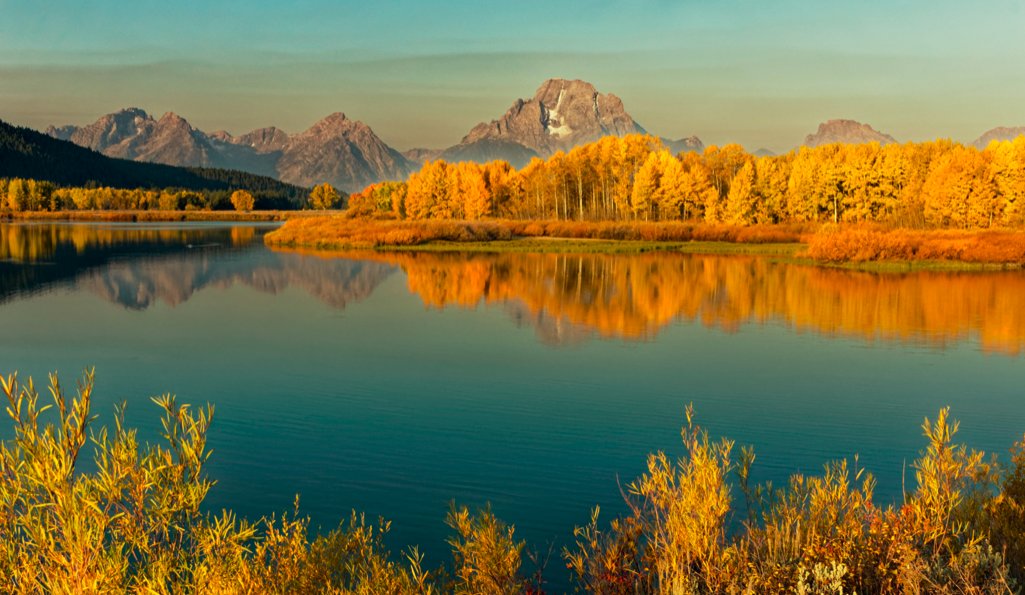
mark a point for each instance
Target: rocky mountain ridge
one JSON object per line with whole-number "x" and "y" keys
{"x": 998, "y": 133}
{"x": 562, "y": 114}
{"x": 846, "y": 131}
{"x": 343, "y": 152}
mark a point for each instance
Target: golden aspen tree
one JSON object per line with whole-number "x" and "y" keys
{"x": 17, "y": 195}
{"x": 739, "y": 208}
{"x": 498, "y": 179}
{"x": 1007, "y": 171}
{"x": 646, "y": 188}
{"x": 673, "y": 188}
{"x": 771, "y": 176}
{"x": 801, "y": 199}
{"x": 242, "y": 200}
{"x": 632, "y": 151}
{"x": 472, "y": 190}
{"x": 696, "y": 186}
{"x": 723, "y": 164}
{"x": 324, "y": 196}
{"x": 956, "y": 193}
{"x": 427, "y": 192}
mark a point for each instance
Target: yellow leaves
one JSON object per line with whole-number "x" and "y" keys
{"x": 324, "y": 196}
{"x": 133, "y": 525}
{"x": 487, "y": 556}
{"x": 741, "y": 201}
{"x": 242, "y": 200}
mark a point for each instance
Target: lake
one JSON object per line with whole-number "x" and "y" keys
{"x": 393, "y": 383}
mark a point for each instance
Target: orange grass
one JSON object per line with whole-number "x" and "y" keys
{"x": 830, "y": 244}
{"x": 339, "y": 231}
{"x": 874, "y": 244}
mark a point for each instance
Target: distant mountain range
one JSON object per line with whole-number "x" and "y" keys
{"x": 852, "y": 132}
{"x": 336, "y": 149}
{"x": 999, "y": 133}
{"x": 561, "y": 115}
{"x": 846, "y": 131}
{"x": 27, "y": 153}
{"x": 347, "y": 153}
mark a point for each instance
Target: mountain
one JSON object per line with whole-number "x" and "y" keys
{"x": 133, "y": 134}
{"x": 683, "y": 145}
{"x": 763, "y": 152}
{"x": 420, "y": 155}
{"x": 561, "y": 115}
{"x": 846, "y": 131}
{"x": 999, "y": 133}
{"x": 343, "y": 152}
{"x": 26, "y": 153}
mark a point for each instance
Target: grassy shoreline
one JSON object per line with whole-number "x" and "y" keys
{"x": 864, "y": 248}
{"x": 584, "y": 246}
{"x": 790, "y": 253}
{"x": 856, "y": 247}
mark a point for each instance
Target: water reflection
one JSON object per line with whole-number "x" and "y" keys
{"x": 139, "y": 266}
{"x": 565, "y": 298}
{"x": 568, "y": 298}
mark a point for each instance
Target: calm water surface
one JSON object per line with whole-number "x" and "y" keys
{"x": 395, "y": 383}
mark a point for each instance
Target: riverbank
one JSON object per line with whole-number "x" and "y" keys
{"x": 863, "y": 247}
{"x": 342, "y": 233}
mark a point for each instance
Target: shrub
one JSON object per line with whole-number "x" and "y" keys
{"x": 133, "y": 523}
{"x": 870, "y": 243}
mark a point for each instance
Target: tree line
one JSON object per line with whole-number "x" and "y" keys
{"x": 29, "y": 154}
{"x": 26, "y": 194}
{"x": 636, "y": 178}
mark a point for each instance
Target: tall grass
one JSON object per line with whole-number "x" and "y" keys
{"x": 825, "y": 243}
{"x": 344, "y": 232}
{"x": 134, "y": 523}
{"x": 867, "y": 243}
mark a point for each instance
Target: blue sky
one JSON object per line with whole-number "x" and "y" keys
{"x": 422, "y": 74}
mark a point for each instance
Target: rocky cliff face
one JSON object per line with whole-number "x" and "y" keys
{"x": 421, "y": 155}
{"x": 337, "y": 148}
{"x": 133, "y": 134}
{"x": 561, "y": 115}
{"x": 347, "y": 154}
{"x": 683, "y": 145}
{"x": 999, "y": 133}
{"x": 846, "y": 131}
{"x": 343, "y": 152}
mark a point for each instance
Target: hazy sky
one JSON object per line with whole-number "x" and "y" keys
{"x": 762, "y": 73}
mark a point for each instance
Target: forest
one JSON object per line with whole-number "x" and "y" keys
{"x": 18, "y": 195}
{"x": 132, "y": 519}
{"x": 938, "y": 184}
{"x": 46, "y": 163}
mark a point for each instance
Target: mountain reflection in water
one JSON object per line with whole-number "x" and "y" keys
{"x": 571, "y": 297}
{"x": 566, "y": 298}
{"x": 137, "y": 268}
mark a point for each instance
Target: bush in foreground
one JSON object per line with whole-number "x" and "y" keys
{"x": 134, "y": 523}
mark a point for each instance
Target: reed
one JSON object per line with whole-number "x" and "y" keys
{"x": 341, "y": 232}
{"x": 867, "y": 243}
{"x": 133, "y": 522}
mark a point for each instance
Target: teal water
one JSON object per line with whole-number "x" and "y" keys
{"x": 394, "y": 384}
